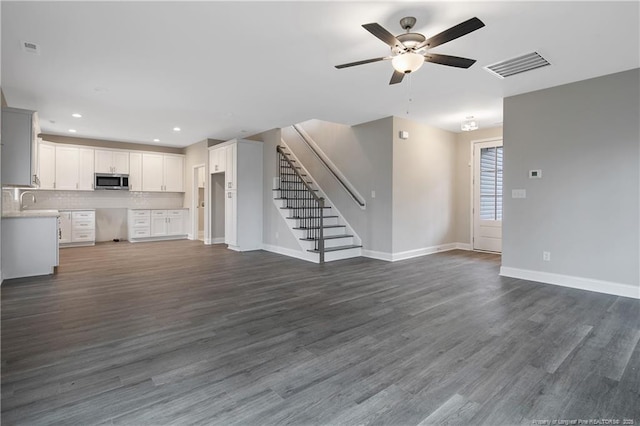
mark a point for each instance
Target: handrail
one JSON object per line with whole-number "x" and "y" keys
{"x": 311, "y": 146}
{"x": 313, "y": 221}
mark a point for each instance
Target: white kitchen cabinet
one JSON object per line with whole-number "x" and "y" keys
{"x": 230, "y": 174}
{"x": 74, "y": 168}
{"x": 19, "y": 147}
{"x": 47, "y": 165}
{"x": 111, "y": 161}
{"x": 77, "y": 228}
{"x": 135, "y": 171}
{"x": 29, "y": 245}
{"x": 162, "y": 172}
{"x": 152, "y": 225}
{"x": 174, "y": 173}
{"x": 231, "y": 218}
{"x": 243, "y": 193}
{"x": 64, "y": 231}
{"x": 217, "y": 159}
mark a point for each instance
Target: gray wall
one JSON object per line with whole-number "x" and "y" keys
{"x": 275, "y": 231}
{"x": 363, "y": 154}
{"x": 102, "y": 143}
{"x": 585, "y": 209}
{"x": 424, "y": 181}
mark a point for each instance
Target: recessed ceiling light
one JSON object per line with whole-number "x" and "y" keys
{"x": 72, "y": 130}
{"x": 176, "y": 129}
{"x": 156, "y": 140}
{"x": 76, "y": 115}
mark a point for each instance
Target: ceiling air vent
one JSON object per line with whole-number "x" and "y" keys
{"x": 518, "y": 65}
{"x": 30, "y": 47}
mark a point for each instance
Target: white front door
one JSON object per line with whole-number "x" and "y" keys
{"x": 487, "y": 198}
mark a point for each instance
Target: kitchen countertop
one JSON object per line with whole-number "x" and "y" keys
{"x": 30, "y": 213}
{"x": 77, "y": 210}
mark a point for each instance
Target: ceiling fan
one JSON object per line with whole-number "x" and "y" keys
{"x": 410, "y": 50}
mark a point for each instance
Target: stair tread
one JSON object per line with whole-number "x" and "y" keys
{"x": 312, "y": 217}
{"x": 294, "y": 181}
{"x": 338, "y": 248}
{"x": 292, "y": 174}
{"x": 301, "y": 199}
{"x": 308, "y": 208}
{"x": 317, "y": 227}
{"x": 328, "y": 237}
{"x": 298, "y": 190}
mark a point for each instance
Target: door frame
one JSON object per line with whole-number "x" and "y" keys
{"x": 472, "y": 185}
{"x": 194, "y": 202}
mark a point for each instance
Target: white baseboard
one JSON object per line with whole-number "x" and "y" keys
{"x": 219, "y": 240}
{"x": 309, "y": 257}
{"x": 393, "y": 257}
{"x": 608, "y": 287}
{"x": 189, "y": 236}
{"x": 380, "y": 255}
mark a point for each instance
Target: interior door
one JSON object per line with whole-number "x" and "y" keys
{"x": 487, "y": 188}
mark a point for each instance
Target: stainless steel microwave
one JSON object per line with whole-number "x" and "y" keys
{"x": 111, "y": 181}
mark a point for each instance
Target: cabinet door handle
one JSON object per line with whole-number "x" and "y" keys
{"x": 229, "y": 185}
{"x": 76, "y": 185}
{"x": 229, "y": 195}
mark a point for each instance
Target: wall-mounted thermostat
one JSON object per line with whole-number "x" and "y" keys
{"x": 404, "y": 134}
{"x": 535, "y": 174}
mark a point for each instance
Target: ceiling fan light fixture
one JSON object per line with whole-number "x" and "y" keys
{"x": 407, "y": 62}
{"x": 469, "y": 124}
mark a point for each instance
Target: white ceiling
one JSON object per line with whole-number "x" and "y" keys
{"x": 227, "y": 69}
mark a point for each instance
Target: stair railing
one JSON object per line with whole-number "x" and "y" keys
{"x": 330, "y": 167}
{"x": 299, "y": 195}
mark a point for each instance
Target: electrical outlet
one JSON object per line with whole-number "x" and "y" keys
{"x": 546, "y": 256}
{"x": 373, "y": 194}
{"x": 277, "y": 235}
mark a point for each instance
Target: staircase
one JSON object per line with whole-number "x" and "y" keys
{"x": 320, "y": 229}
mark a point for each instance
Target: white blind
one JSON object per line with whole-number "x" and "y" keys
{"x": 491, "y": 183}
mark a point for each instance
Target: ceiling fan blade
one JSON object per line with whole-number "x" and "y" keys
{"x": 366, "y": 61}
{"x": 452, "y": 61}
{"x": 453, "y": 33}
{"x": 396, "y": 77}
{"x": 384, "y": 35}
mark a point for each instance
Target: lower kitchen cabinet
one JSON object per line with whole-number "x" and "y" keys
{"x": 154, "y": 225}
{"x": 77, "y": 228}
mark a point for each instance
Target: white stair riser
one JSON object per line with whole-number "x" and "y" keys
{"x": 342, "y": 254}
{"x": 334, "y": 242}
{"x": 327, "y": 232}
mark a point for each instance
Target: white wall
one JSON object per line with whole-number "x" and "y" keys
{"x": 585, "y": 138}
{"x": 195, "y": 155}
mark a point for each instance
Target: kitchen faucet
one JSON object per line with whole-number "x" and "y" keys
{"x": 33, "y": 198}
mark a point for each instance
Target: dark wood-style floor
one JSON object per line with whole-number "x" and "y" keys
{"x": 181, "y": 333}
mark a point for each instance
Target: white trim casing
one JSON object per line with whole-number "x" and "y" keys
{"x": 589, "y": 284}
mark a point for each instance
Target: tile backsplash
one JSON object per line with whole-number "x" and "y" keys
{"x": 91, "y": 199}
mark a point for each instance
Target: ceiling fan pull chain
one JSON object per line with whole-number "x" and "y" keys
{"x": 409, "y": 89}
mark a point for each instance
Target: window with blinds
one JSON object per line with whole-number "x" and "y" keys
{"x": 491, "y": 183}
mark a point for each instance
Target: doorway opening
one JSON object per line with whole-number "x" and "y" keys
{"x": 487, "y": 195}
{"x": 217, "y": 210}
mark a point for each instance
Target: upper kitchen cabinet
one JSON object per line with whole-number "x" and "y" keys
{"x": 217, "y": 160}
{"x": 19, "y": 147}
{"x": 47, "y": 165}
{"x": 135, "y": 171}
{"x": 162, "y": 172}
{"x": 74, "y": 168}
{"x": 112, "y": 161}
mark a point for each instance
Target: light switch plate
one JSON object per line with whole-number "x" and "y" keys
{"x": 518, "y": 193}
